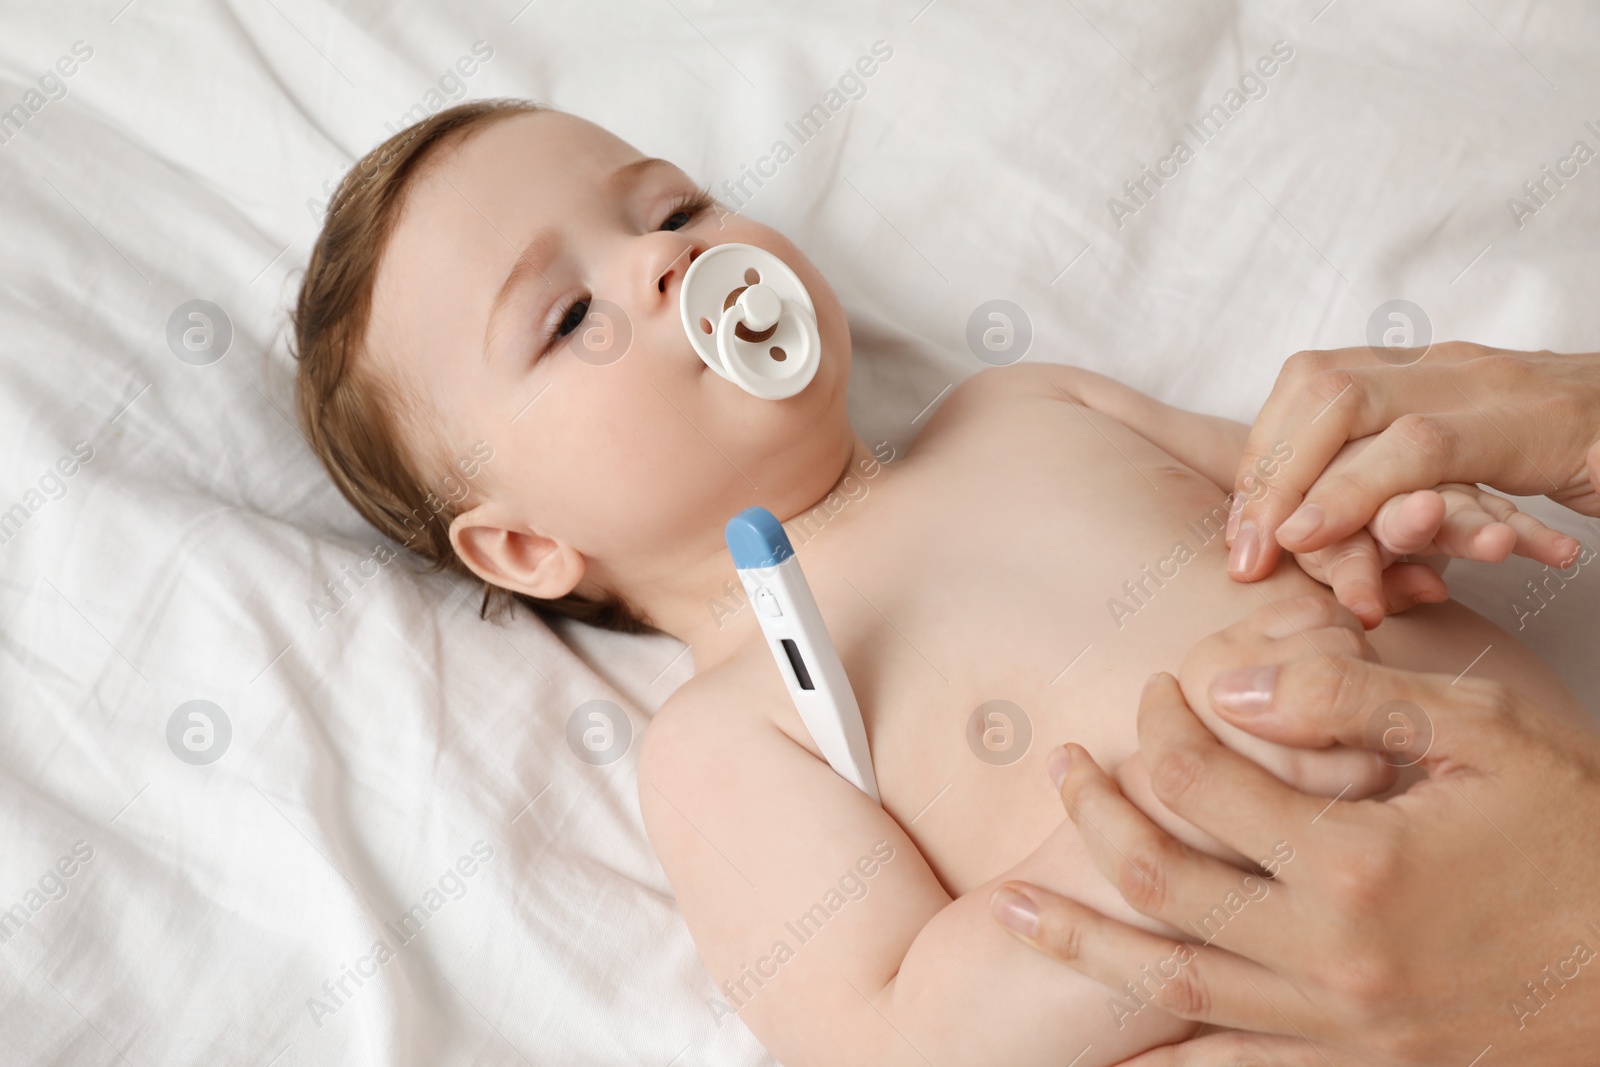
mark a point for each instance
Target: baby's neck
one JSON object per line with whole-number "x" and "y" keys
{"x": 715, "y": 621}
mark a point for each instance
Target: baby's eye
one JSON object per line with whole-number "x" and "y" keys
{"x": 684, "y": 211}
{"x": 575, "y": 314}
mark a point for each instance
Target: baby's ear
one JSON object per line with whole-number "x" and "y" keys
{"x": 520, "y": 560}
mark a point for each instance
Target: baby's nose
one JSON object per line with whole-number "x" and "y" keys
{"x": 671, "y": 277}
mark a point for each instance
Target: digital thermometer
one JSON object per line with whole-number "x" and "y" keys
{"x": 799, "y": 640}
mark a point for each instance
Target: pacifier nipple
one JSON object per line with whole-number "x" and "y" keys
{"x": 761, "y": 308}
{"x": 751, "y": 320}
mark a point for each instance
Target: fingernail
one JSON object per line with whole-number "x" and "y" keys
{"x": 1235, "y": 506}
{"x": 1303, "y": 523}
{"x": 1366, "y": 609}
{"x": 1057, "y": 763}
{"x": 1572, "y": 555}
{"x": 1246, "y": 547}
{"x": 1245, "y": 690}
{"x": 1015, "y": 911}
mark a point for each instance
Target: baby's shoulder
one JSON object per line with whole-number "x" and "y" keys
{"x": 1018, "y": 381}
{"x": 1026, "y": 393}
{"x": 709, "y": 760}
{"x": 718, "y": 715}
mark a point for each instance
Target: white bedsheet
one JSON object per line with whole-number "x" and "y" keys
{"x": 376, "y": 747}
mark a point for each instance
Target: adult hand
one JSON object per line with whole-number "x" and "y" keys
{"x": 1525, "y": 423}
{"x": 1413, "y": 537}
{"x": 1460, "y": 916}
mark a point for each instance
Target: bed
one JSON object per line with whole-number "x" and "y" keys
{"x": 247, "y": 745}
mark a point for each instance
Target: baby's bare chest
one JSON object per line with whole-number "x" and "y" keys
{"x": 1025, "y": 568}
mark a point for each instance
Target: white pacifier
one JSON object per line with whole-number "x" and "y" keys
{"x": 751, "y": 320}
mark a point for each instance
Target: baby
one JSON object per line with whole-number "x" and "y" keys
{"x": 1049, "y": 539}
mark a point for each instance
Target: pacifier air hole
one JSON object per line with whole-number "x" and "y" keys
{"x": 779, "y": 354}
{"x": 752, "y": 276}
{"x": 705, "y": 325}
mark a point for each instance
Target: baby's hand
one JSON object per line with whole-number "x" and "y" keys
{"x": 1275, "y": 633}
{"x": 1452, "y": 520}
{"x": 1465, "y": 522}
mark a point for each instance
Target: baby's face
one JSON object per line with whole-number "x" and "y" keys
{"x": 501, "y": 243}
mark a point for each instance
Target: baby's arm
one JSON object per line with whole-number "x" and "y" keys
{"x": 1208, "y": 444}
{"x": 1451, "y": 521}
{"x": 822, "y": 924}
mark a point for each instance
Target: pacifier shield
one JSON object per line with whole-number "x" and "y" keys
{"x": 751, "y": 320}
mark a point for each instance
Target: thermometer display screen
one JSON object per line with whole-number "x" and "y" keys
{"x": 801, "y": 675}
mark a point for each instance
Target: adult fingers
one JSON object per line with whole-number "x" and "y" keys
{"x": 1190, "y": 981}
{"x": 1315, "y": 701}
{"x": 1228, "y": 796}
{"x": 1234, "y": 1048}
{"x": 1416, "y": 451}
{"x": 1320, "y": 402}
{"x": 1539, "y": 405}
{"x": 1591, "y": 499}
{"x": 1292, "y": 616}
{"x": 1281, "y": 631}
{"x": 1155, "y": 873}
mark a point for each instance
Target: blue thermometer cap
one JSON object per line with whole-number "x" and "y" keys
{"x": 756, "y": 539}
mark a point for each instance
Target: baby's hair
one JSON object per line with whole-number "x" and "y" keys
{"x": 347, "y": 409}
